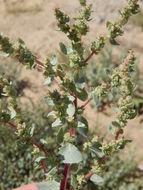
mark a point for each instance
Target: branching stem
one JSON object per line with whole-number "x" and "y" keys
{"x": 90, "y": 56}
{"x": 118, "y": 133}
{"x": 86, "y": 103}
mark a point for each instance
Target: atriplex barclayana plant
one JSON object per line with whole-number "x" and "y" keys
{"x": 78, "y": 159}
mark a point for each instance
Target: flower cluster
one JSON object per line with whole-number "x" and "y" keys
{"x": 86, "y": 13}
{"x": 122, "y": 79}
{"x": 63, "y": 20}
{"x": 115, "y": 28}
{"x": 80, "y": 180}
{"x": 98, "y": 44}
{"x": 114, "y": 146}
{"x": 6, "y": 46}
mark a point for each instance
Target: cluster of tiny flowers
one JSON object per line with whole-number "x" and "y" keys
{"x": 62, "y": 19}
{"x": 35, "y": 151}
{"x": 24, "y": 55}
{"x": 87, "y": 145}
{"x": 49, "y": 69}
{"x": 68, "y": 138}
{"x": 86, "y": 12}
{"x": 113, "y": 146}
{"x": 98, "y": 44}
{"x": 83, "y": 2}
{"x": 21, "y": 130}
{"x": 18, "y": 51}
{"x": 80, "y": 180}
{"x": 101, "y": 91}
{"x": 115, "y": 28}
{"x": 6, "y": 46}
{"x": 7, "y": 91}
{"x": 126, "y": 105}
{"x": 96, "y": 167}
{"x": 94, "y": 139}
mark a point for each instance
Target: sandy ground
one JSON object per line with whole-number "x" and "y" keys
{"x": 36, "y": 25}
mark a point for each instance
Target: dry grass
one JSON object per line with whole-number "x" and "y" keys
{"x": 19, "y": 9}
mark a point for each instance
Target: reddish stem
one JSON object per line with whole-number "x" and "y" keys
{"x": 118, "y": 133}
{"x": 39, "y": 63}
{"x": 12, "y": 125}
{"x": 87, "y": 176}
{"x": 34, "y": 142}
{"x": 102, "y": 159}
{"x": 41, "y": 148}
{"x": 86, "y": 103}
{"x": 75, "y": 101}
{"x": 90, "y": 55}
{"x": 72, "y": 132}
{"x": 43, "y": 166}
{"x": 67, "y": 166}
{"x": 64, "y": 181}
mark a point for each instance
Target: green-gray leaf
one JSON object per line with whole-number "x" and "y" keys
{"x": 53, "y": 60}
{"x": 12, "y": 111}
{"x": 48, "y": 81}
{"x": 39, "y": 159}
{"x": 32, "y": 131}
{"x": 82, "y": 94}
{"x": 113, "y": 41}
{"x": 74, "y": 182}
{"x": 97, "y": 152}
{"x": 71, "y": 110}
{"x": 60, "y": 135}
{"x": 71, "y": 154}
{"x": 82, "y": 126}
{"x": 56, "y": 123}
{"x": 64, "y": 49}
{"x": 50, "y": 185}
{"x": 97, "y": 180}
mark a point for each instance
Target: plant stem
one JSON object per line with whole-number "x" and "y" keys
{"x": 90, "y": 56}
{"x": 39, "y": 63}
{"x": 34, "y": 142}
{"x": 64, "y": 181}
{"x": 41, "y": 148}
{"x": 118, "y": 133}
{"x": 12, "y": 125}
{"x": 72, "y": 132}
{"x": 87, "y": 176}
{"x": 67, "y": 166}
{"x": 86, "y": 103}
{"x": 43, "y": 166}
{"x": 102, "y": 159}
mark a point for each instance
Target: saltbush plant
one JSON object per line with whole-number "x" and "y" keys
{"x": 77, "y": 160}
